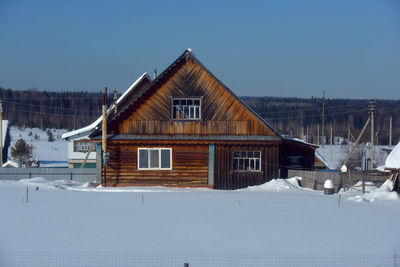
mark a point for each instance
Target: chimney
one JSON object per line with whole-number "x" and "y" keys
{"x": 115, "y": 100}
{"x": 155, "y": 73}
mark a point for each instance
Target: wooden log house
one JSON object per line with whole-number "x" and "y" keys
{"x": 186, "y": 128}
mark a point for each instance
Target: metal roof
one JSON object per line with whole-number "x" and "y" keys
{"x": 191, "y": 137}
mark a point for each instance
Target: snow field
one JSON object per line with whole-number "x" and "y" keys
{"x": 277, "y": 218}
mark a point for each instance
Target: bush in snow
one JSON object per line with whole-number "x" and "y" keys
{"x": 22, "y": 152}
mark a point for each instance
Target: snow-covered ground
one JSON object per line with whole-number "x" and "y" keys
{"x": 275, "y": 224}
{"x": 50, "y": 154}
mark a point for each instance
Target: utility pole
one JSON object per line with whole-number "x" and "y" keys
{"x": 302, "y": 133}
{"x": 58, "y": 124}
{"x": 104, "y": 136}
{"x": 1, "y": 133}
{"x": 331, "y": 143}
{"x": 307, "y": 134}
{"x": 318, "y": 135}
{"x": 323, "y": 120}
{"x": 390, "y": 132}
{"x": 348, "y": 134}
{"x": 356, "y": 142}
{"x": 372, "y": 110}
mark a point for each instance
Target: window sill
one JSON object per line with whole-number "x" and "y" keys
{"x": 155, "y": 169}
{"x": 247, "y": 171}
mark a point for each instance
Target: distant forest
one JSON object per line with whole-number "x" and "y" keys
{"x": 289, "y": 116}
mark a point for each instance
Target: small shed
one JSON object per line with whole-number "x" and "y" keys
{"x": 296, "y": 154}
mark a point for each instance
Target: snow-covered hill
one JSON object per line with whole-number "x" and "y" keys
{"x": 50, "y": 154}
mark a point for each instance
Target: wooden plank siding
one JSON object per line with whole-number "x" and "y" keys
{"x": 189, "y": 166}
{"x": 226, "y": 178}
{"x": 221, "y": 112}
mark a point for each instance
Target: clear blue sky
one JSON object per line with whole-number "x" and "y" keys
{"x": 350, "y": 49}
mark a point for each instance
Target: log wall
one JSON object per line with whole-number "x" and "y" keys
{"x": 189, "y": 166}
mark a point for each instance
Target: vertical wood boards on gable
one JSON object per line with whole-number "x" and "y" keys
{"x": 221, "y": 112}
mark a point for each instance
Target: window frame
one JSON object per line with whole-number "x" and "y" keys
{"x": 159, "y": 149}
{"x": 244, "y": 159}
{"x": 193, "y": 98}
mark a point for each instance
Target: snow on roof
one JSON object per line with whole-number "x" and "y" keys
{"x": 393, "y": 160}
{"x": 11, "y": 163}
{"x": 93, "y": 125}
{"x": 322, "y": 159}
{"x": 297, "y": 140}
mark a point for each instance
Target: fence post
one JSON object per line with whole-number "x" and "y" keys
{"x": 186, "y": 265}
{"x": 70, "y": 176}
{"x": 363, "y": 185}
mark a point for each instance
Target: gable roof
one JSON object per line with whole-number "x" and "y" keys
{"x": 121, "y": 100}
{"x": 184, "y": 57}
{"x": 299, "y": 141}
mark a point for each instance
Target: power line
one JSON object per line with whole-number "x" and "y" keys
{"x": 313, "y": 116}
{"x": 54, "y": 107}
{"x": 49, "y": 113}
{"x": 315, "y": 109}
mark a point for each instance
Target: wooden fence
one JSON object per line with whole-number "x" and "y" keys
{"x": 79, "y": 175}
{"x": 316, "y": 179}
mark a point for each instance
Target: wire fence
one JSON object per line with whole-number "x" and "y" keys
{"x": 32, "y": 259}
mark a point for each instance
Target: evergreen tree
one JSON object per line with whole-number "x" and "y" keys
{"x": 22, "y": 152}
{"x": 50, "y": 135}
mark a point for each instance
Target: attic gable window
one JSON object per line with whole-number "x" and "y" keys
{"x": 186, "y": 108}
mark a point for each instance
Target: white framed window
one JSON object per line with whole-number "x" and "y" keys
{"x": 247, "y": 160}
{"x": 186, "y": 108}
{"x": 84, "y": 146}
{"x": 154, "y": 158}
